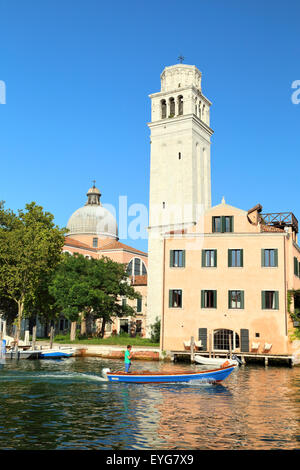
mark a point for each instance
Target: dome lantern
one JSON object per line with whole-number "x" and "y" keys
{"x": 93, "y": 219}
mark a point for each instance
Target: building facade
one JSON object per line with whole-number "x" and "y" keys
{"x": 218, "y": 274}
{"x": 93, "y": 232}
{"x": 227, "y": 285}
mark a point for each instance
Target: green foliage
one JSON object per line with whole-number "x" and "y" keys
{"x": 155, "y": 331}
{"x": 30, "y": 249}
{"x": 294, "y": 294}
{"x": 92, "y": 286}
{"x": 121, "y": 340}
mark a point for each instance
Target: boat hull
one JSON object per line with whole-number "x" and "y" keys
{"x": 213, "y": 376}
{"x": 56, "y": 353}
{"x": 22, "y": 354}
{"x": 206, "y": 361}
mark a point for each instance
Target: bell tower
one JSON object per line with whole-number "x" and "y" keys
{"x": 180, "y": 182}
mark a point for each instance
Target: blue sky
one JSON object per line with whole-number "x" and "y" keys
{"x": 78, "y": 75}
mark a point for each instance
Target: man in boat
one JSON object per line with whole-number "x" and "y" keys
{"x": 128, "y": 357}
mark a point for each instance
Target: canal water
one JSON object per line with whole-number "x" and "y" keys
{"x": 47, "y": 404}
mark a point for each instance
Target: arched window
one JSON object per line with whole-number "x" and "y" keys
{"x": 163, "y": 109}
{"x": 172, "y": 107}
{"x": 68, "y": 252}
{"x": 136, "y": 267}
{"x": 180, "y": 105}
{"x": 223, "y": 338}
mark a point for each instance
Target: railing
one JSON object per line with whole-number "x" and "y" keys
{"x": 281, "y": 219}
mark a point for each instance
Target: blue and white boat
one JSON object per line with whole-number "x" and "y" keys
{"x": 57, "y": 353}
{"x": 211, "y": 376}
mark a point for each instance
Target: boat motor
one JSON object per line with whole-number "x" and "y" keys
{"x": 104, "y": 372}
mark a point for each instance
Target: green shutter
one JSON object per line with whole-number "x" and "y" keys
{"x": 202, "y": 299}
{"x": 215, "y": 254}
{"x": 202, "y": 336}
{"x": 296, "y": 266}
{"x": 229, "y": 258}
{"x": 170, "y": 298}
{"x": 223, "y": 225}
{"x": 231, "y": 223}
{"x": 263, "y": 299}
{"x": 244, "y": 340}
{"x": 242, "y": 299}
{"x": 139, "y": 305}
{"x": 229, "y": 299}
{"x": 242, "y": 258}
{"x": 183, "y": 258}
{"x": 276, "y": 257}
{"x": 215, "y": 299}
{"x": 171, "y": 258}
{"x": 276, "y": 299}
{"x": 263, "y": 257}
{"x": 203, "y": 258}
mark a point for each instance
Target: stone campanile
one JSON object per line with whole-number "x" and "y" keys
{"x": 180, "y": 182}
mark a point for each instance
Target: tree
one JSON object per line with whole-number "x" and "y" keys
{"x": 69, "y": 286}
{"x": 30, "y": 249}
{"x": 108, "y": 284}
{"x": 155, "y": 331}
{"x": 92, "y": 286}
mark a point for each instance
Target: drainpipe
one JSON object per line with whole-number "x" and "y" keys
{"x": 162, "y": 329}
{"x": 285, "y": 285}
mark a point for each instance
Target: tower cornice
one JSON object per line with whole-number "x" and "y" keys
{"x": 185, "y": 117}
{"x": 179, "y": 91}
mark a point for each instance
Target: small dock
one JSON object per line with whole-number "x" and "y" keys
{"x": 245, "y": 358}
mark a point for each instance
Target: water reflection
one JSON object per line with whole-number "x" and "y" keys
{"x": 67, "y": 405}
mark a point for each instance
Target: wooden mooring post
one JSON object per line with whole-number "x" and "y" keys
{"x": 33, "y": 337}
{"x": 192, "y": 349}
{"x": 51, "y": 336}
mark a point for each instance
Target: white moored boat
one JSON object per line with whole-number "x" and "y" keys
{"x": 215, "y": 361}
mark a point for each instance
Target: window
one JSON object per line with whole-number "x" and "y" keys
{"x": 124, "y": 303}
{"x": 95, "y": 242}
{"x": 163, "y": 109}
{"x": 177, "y": 258}
{"x": 172, "y": 107}
{"x": 179, "y": 155}
{"x": 208, "y": 299}
{"x": 216, "y": 224}
{"x": 180, "y": 105}
{"x": 138, "y": 327}
{"x": 137, "y": 267}
{"x": 296, "y": 267}
{"x": 226, "y": 340}
{"x": 270, "y": 299}
{"x": 269, "y": 258}
{"x": 123, "y": 326}
{"x": 209, "y": 258}
{"x": 139, "y": 305}
{"x": 227, "y": 222}
{"x": 236, "y": 299}
{"x": 235, "y": 258}
{"x": 222, "y": 223}
{"x": 175, "y": 298}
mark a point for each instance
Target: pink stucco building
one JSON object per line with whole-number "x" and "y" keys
{"x": 93, "y": 232}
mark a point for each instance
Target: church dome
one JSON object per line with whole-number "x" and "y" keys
{"x": 93, "y": 218}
